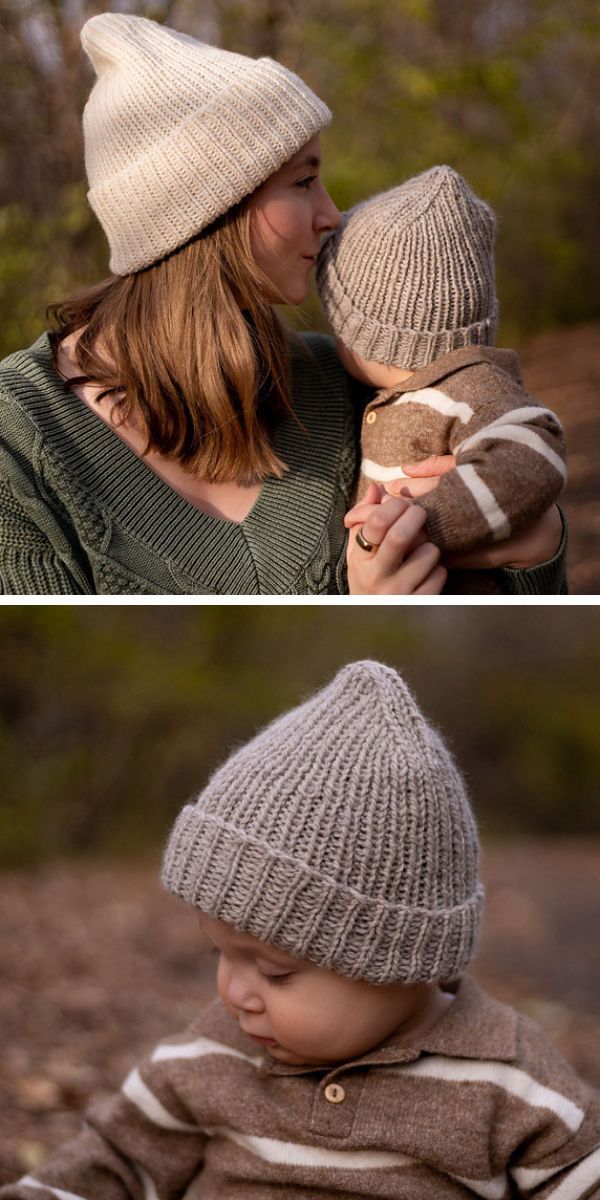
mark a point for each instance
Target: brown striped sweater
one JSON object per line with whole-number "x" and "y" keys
{"x": 481, "y": 1105}
{"x": 510, "y": 450}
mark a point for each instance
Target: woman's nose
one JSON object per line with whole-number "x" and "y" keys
{"x": 328, "y": 216}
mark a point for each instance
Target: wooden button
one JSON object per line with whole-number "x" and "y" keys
{"x": 335, "y": 1093}
{"x": 370, "y": 418}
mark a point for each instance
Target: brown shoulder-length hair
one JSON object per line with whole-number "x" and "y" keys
{"x": 192, "y": 348}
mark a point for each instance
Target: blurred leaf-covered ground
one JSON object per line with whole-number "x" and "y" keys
{"x": 562, "y": 370}
{"x": 98, "y": 964}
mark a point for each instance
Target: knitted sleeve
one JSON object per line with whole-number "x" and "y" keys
{"x": 29, "y": 564}
{"x": 510, "y": 456}
{"x": 554, "y": 1124}
{"x": 142, "y": 1143}
{"x": 545, "y": 579}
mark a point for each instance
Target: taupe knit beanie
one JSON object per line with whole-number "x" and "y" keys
{"x": 177, "y": 132}
{"x": 341, "y": 833}
{"x": 409, "y": 274}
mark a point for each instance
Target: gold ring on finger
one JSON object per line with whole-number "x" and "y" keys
{"x": 368, "y": 547}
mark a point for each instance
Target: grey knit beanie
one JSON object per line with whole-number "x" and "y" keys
{"x": 177, "y": 132}
{"x": 409, "y": 274}
{"x": 342, "y": 834}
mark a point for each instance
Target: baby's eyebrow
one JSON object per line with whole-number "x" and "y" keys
{"x": 272, "y": 956}
{"x": 268, "y": 953}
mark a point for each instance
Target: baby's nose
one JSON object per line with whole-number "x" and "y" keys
{"x": 241, "y": 994}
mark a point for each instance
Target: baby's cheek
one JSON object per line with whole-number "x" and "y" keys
{"x": 297, "y": 1025}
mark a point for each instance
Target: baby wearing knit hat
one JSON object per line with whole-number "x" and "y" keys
{"x": 333, "y": 861}
{"x": 407, "y": 285}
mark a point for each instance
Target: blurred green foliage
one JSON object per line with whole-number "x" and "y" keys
{"x": 504, "y": 90}
{"x": 110, "y": 718}
{"x": 40, "y": 257}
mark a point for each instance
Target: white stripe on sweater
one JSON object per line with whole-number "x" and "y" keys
{"x": 525, "y": 414}
{"x": 508, "y": 431}
{"x": 295, "y": 1154}
{"x": 373, "y": 470}
{"x": 579, "y": 1180}
{"x": 485, "y": 501}
{"x": 29, "y": 1181}
{"x": 580, "y": 1177}
{"x": 490, "y": 1189}
{"x": 510, "y": 1079}
{"x": 522, "y": 416}
{"x": 200, "y": 1048}
{"x": 150, "y": 1192}
{"x": 135, "y": 1089}
{"x": 433, "y": 398}
{"x": 530, "y": 1177}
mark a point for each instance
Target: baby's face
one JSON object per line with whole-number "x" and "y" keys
{"x": 376, "y": 374}
{"x": 303, "y": 1014}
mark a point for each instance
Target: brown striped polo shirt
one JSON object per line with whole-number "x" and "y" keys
{"x": 480, "y": 1106}
{"x": 510, "y": 451}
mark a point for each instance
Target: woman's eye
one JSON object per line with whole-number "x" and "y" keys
{"x": 305, "y": 183}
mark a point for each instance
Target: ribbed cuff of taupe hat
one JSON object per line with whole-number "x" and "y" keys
{"x": 214, "y": 867}
{"x": 378, "y": 342}
{"x": 174, "y": 199}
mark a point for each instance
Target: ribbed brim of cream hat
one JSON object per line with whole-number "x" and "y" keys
{"x": 177, "y": 132}
{"x": 409, "y": 274}
{"x": 341, "y": 833}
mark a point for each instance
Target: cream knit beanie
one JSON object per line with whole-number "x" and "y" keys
{"x": 177, "y": 132}
{"x": 341, "y": 833}
{"x": 409, "y": 274}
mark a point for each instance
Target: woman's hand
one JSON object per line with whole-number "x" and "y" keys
{"x": 536, "y": 544}
{"x": 404, "y": 563}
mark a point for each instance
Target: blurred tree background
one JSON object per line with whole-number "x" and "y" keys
{"x": 110, "y": 718}
{"x": 501, "y": 89}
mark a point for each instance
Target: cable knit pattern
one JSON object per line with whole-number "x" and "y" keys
{"x": 409, "y": 274}
{"x": 177, "y": 132}
{"x": 341, "y": 833}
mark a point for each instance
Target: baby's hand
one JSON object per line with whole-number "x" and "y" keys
{"x": 425, "y": 476}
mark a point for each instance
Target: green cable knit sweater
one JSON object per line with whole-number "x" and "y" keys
{"x": 81, "y": 514}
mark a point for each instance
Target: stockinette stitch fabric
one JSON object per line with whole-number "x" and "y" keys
{"x": 341, "y": 833}
{"x": 409, "y": 274}
{"x": 177, "y": 132}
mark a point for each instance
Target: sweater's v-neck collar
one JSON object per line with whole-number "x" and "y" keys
{"x": 263, "y": 553}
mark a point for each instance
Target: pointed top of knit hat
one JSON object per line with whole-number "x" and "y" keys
{"x": 342, "y": 834}
{"x": 409, "y": 274}
{"x": 177, "y": 132}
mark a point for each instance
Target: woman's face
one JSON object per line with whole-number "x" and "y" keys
{"x": 289, "y": 213}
